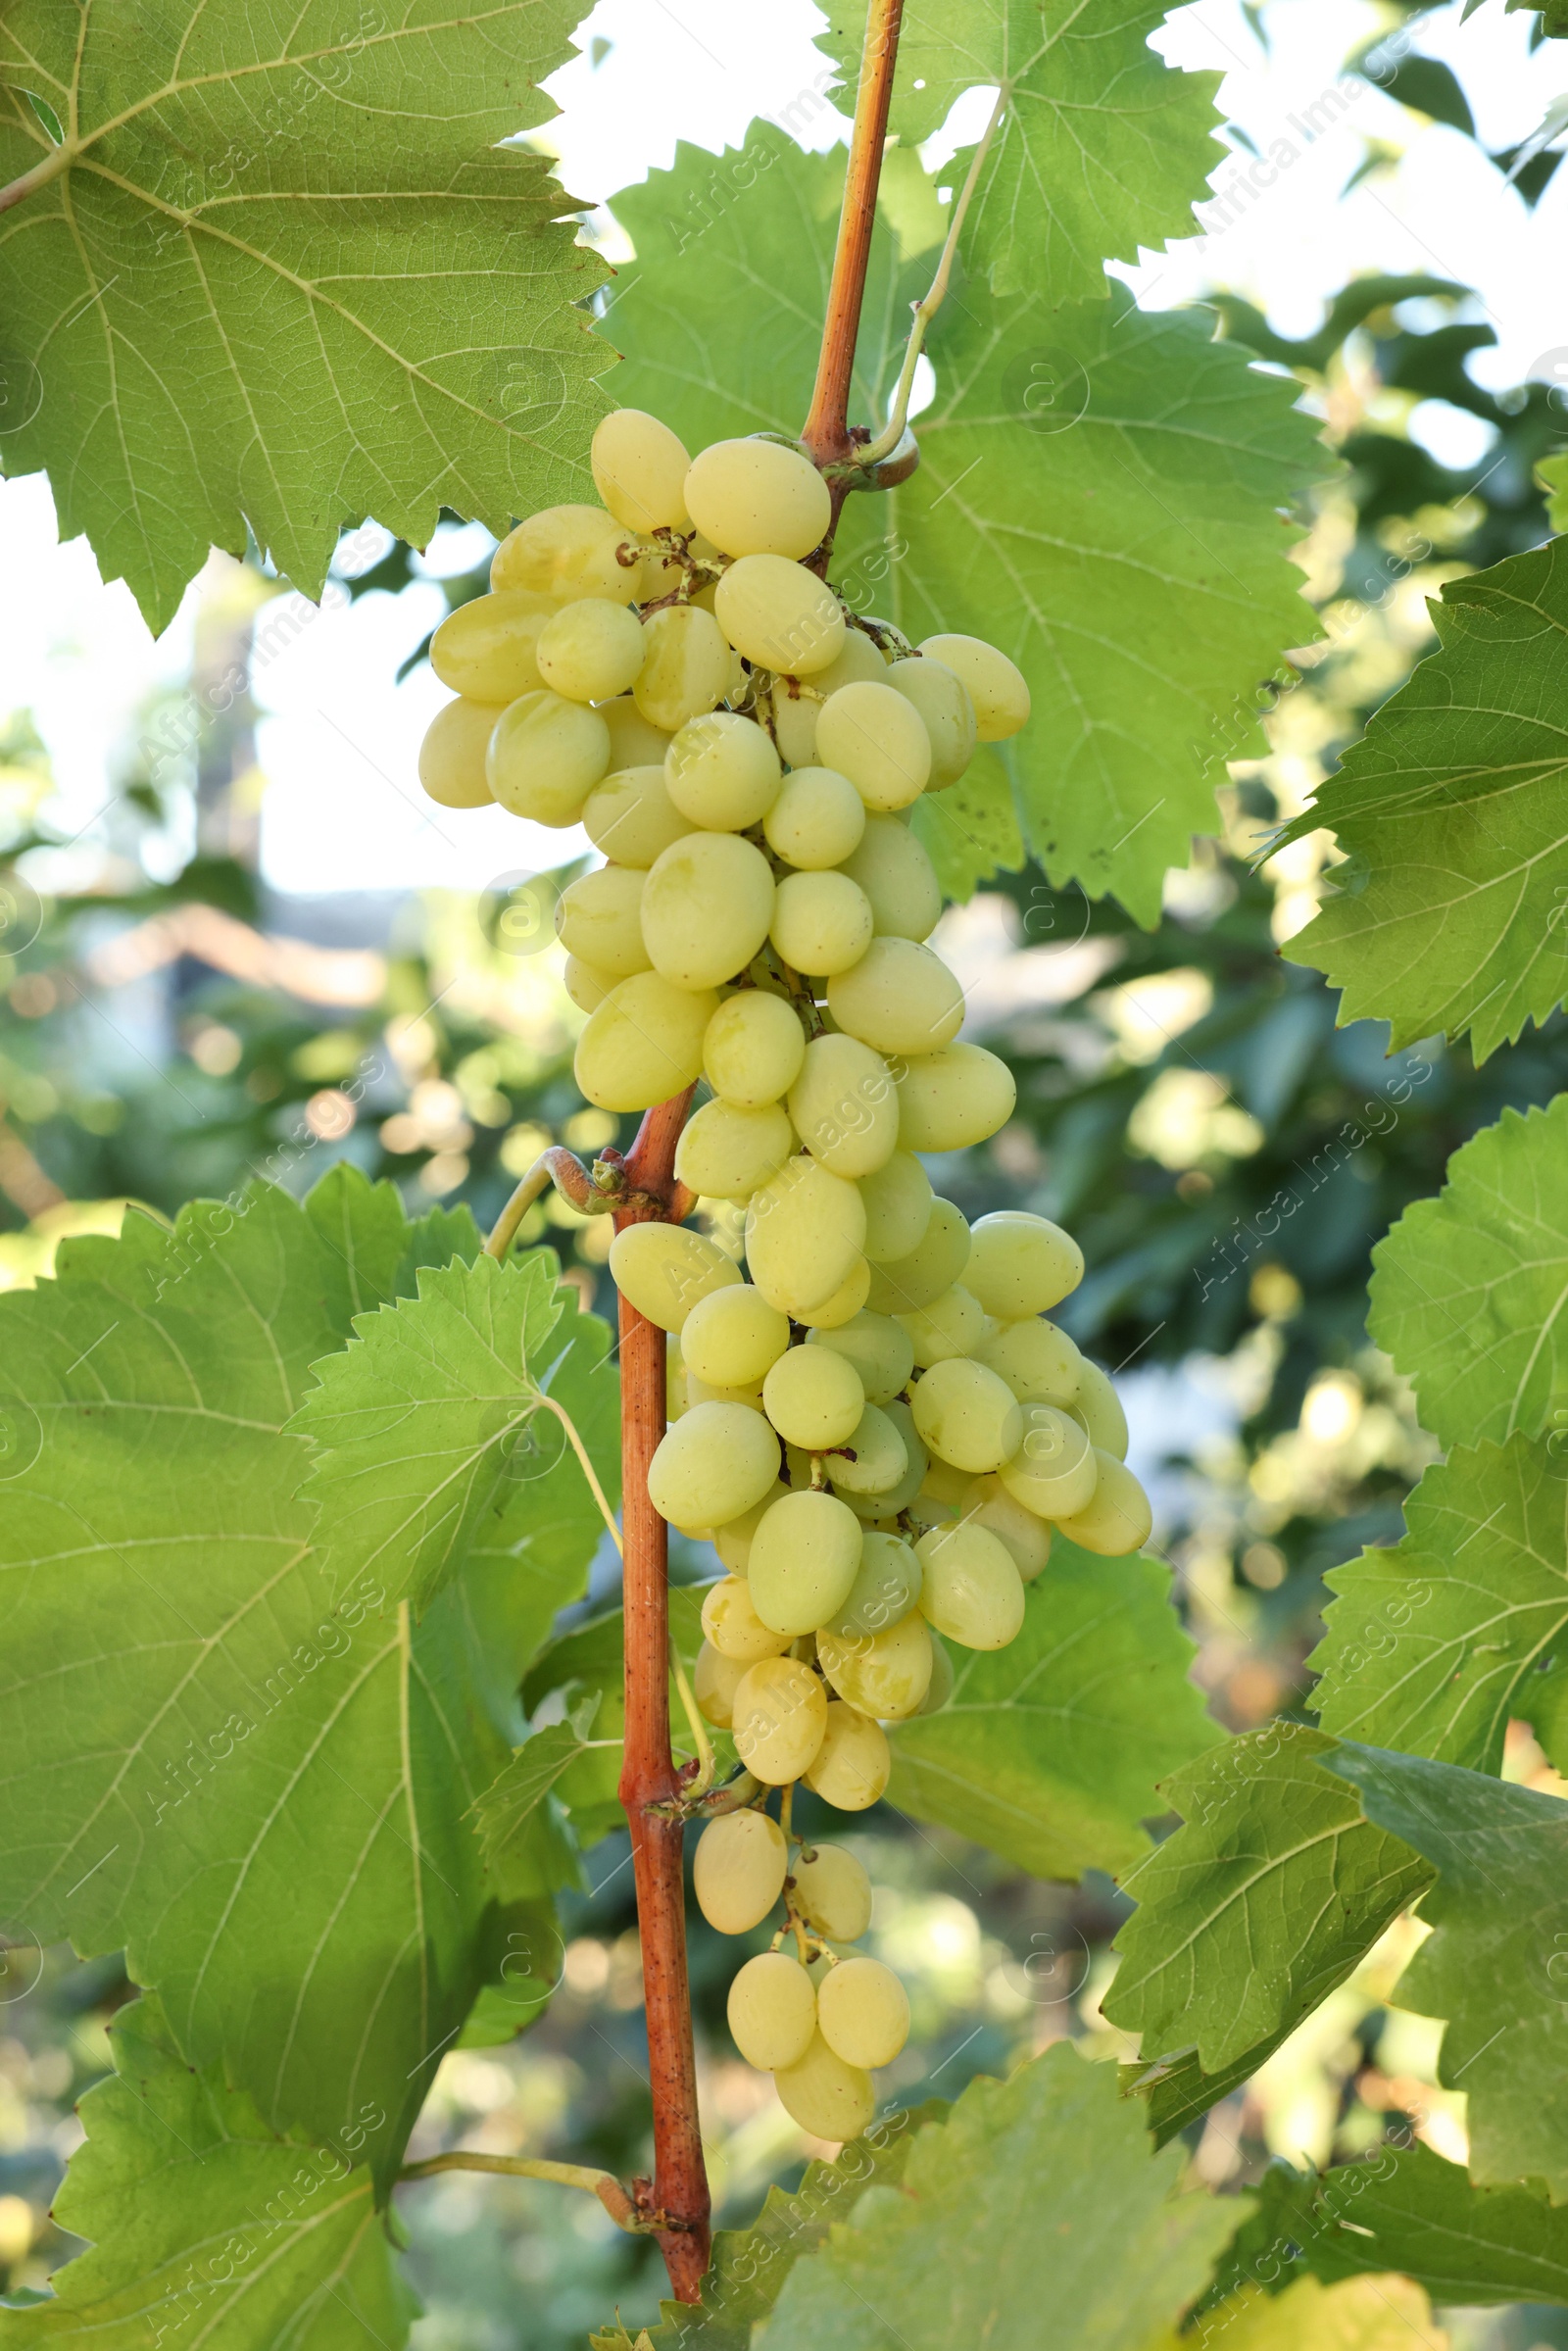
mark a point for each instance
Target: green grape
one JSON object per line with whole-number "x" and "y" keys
{"x": 903, "y": 1285}
{"x": 850, "y": 1771}
{"x": 780, "y": 1715}
{"x": 943, "y": 701}
{"x": 663, "y": 1271}
{"x": 591, "y": 650}
{"x": 1027, "y": 1537}
{"x": 779, "y": 616}
{"x": 486, "y": 647}
{"x": 795, "y": 708}
{"x": 1117, "y": 1519}
{"x": 1052, "y": 1470}
{"x": 803, "y": 1559}
{"x": 643, "y": 1044}
{"x": 686, "y": 666}
{"x": 831, "y": 1889}
{"x": 738, "y": 1870}
{"x": 821, "y": 922}
{"x": 567, "y": 552}
{"x": 804, "y": 1231}
{"x": 880, "y": 1459}
{"x": 707, "y": 905}
{"x": 586, "y": 986}
{"x": 884, "y": 1674}
{"x": 631, "y": 817}
{"x": 950, "y": 1325}
{"x": 996, "y": 687}
{"x": 886, "y": 1501}
{"x": 968, "y": 1417}
{"x": 863, "y": 2012}
{"x": 1097, "y": 1408}
{"x": 897, "y": 877}
{"x": 772, "y": 2011}
{"x": 943, "y": 1678}
{"x": 843, "y": 1106}
{"x": 948, "y": 1099}
{"x": 877, "y": 737}
{"x": 733, "y": 1541}
{"x": 899, "y": 998}
{"x": 700, "y": 1392}
{"x": 754, "y": 1049}
{"x": 1038, "y": 1363}
{"x": 817, "y": 822}
{"x": 633, "y": 741}
{"x": 880, "y": 1351}
{"x": 722, "y": 771}
{"x": 545, "y": 754}
{"x": 886, "y": 1587}
{"x": 640, "y": 470}
{"x": 733, "y": 1337}
{"x": 755, "y": 497}
{"x": 825, "y": 2096}
{"x": 972, "y": 1592}
{"x": 715, "y": 1678}
{"x": 714, "y": 1464}
{"x": 452, "y": 753}
{"x": 726, "y": 1152}
{"x": 815, "y": 1400}
{"x": 951, "y": 1487}
{"x": 845, "y": 1303}
{"x": 898, "y": 1208}
{"x": 733, "y": 1627}
{"x": 599, "y": 919}
{"x": 1022, "y": 1264}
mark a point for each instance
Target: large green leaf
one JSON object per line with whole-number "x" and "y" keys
{"x": 1470, "y": 1290}
{"x": 1051, "y": 1750}
{"x": 1102, "y": 147}
{"x": 280, "y": 272}
{"x": 202, "y": 2217}
{"x": 1454, "y": 813}
{"x": 1434, "y": 1644}
{"x": 1358, "y": 2314}
{"x": 1131, "y": 562}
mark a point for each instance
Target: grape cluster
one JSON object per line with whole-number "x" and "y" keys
{"x": 878, "y": 1429}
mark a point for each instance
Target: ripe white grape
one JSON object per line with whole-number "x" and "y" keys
{"x": 1052, "y": 1470}
{"x": 591, "y": 651}
{"x": 887, "y": 1586}
{"x": 943, "y": 1678}
{"x": 698, "y": 1392}
{"x": 948, "y": 1099}
{"x": 795, "y": 711}
{"x": 643, "y": 1044}
{"x": 803, "y": 1559}
{"x": 1038, "y": 1363}
{"x": 885, "y": 1501}
{"x": 815, "y": 1400}
{"x": 877, "y": 737}
{"x": 821, "y": 922}
{"x": 754, "y": 1049}
{"x": 733, "y": 1627}
{"x": 715, "y": 1678}
{"x": 1118, "y": 1518}
{"x": 722, "y": 771}
{"x": 485, "y": 648}
{"x": 780, "y": 1715}
{"x": 545, "y": 754}
{"x": 880, "y": 1460}
{"x": 995, "y": 686}
{"x": 599, "y": 919}
{"x": 686, "y": 666}
{"x": 631, "y": 817}
{"x": 968, "y": 1417}
{"x": 863, "y": 2012}
{"x": 733, "y": 1337}
{"x": 714, "y": 1463}
{"x": 972, "y": 1590}
{"x": 804, "y": 1231}
{"x": 828, "y": 2098}
{"x": 990, "y": 1506}
{"x": 1098, "y": 1408}
{"x": 850, "y": 1772}
{"x": 452, "y": 753}
{"x": 738, "y": 1870}
{"x": 939, "y": 1258}
{"x": 898, "y": 1208}
{"x": 707, "y": 907}
{"x": 879, "y": 1348}
{"x": 567, "y": 552}
{"x": 633, "y": 742}
{"x": 899, "y": 998}
{"x": 726, "y": 1152}
{"x": 586, "y": 986}
{"x": 756, "y": 497}
{"x": 896, "y": 874}
{"x": 779, "y": 616}
{"x": 943, "y": 701}
{"x": 952, "y": 1488}
{"x": 664, "y": 1270}
{"x": 640, "y": 470}
{"x": 884, "y": 1674}
{"x": 772, "y": 2011}
{"x": 1022, "y": 1264}
{"x": 843, "y": 1106}
{"x": 842, "y": 1304}
{"x": 831, "y": 1889}
{"x": 952, "y": 1324}
{"x": 817, "y": 822}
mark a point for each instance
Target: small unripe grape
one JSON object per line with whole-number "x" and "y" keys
{"x": 643, "y": 1044}
{"x": 903, "y": 1285}
{"x": 567, "y": 552}
{"x": 545, "y": 754}
{"x": 733, "y": 1337}
{"x": 754, "y": 1049}
{"x": 877, "y": 737}
{"x": 900, "y": 998}
{"x": 772, "y": 2011}
{"x": 716, "y": 1462}
{"x": 843, "y": 1106}
{"x": 631, "y": 817}
{"x": 989, "y": 1504}
{"x": 948, "y": 1099}
{"x": 591, "y": 651}
{"x": 821, "y": 922}
{"x": 1098, "y": 1408}
{"x": 1038, "y": 1363}
{"x": 486, "y": 647}
{"x": 1020, "y": 1264}
{"x": 996, "y": 688}
{"x": 879, "y": 1349}
{"x": 726, "y": 1152}
{"x": 943, "y": 701}
{"x": 886, "y": 1587}
{"x": 707, "y": 905}
{"x": 640, "y": 470}
{"x": 733, "y": 1541}
{"x": 586, "y": 986}
{"x": 795, "y": 714}
{"x": 633, "y": 742}
{"x": 599, "y": 917}
{"x": 804, "y": 1231}
{"x": 1117, "y": 1519}
{"x": 844, "y": 1303}
{"x": 780, "y": 1715}
{"x": 815, "y": 1400}
{"x": 850, "y": 1772}
{"x": 817, "y": 822}
{"x": 722, "y": 771}
{"x": 950, "y": 1326}
{"x": 733, "y": 1626}
{"x": 780, "y": 618}
{"x": 879, "y": 1461}
{"x": 754, "y": 497}
{"x": 943, "y": 1678}
{"x": 898, "y": 1208}
{"x": 884, "y": 1674}
{"x": 738, "y": 1870}
{"x": 803, "y": 1559}
{"x": 967, "y": 1415}
{"x": 863, "y": 2012}
{"x": 828, "y": 2098}
{"x": 1052, "y": 1471}
{"x": 664, "y": 1270}
{"x": 686, "y": 666}
{"x": 831, "y": 1891}
{"x": 972, "y": 1590}
{"x": 896, "y": 874}
{"x": 453, "y": 753}
{"x": 715, "y": 1678}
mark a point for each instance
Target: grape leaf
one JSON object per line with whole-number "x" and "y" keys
{"x": 1049, "y": 1750}
{"x": 1043, "y": 2184}
{"x": 201, "y": 2216}
{"x": 1470, "y": 1290}
{"x": 516, "y": 1794}
{"x": 1452, "y": 808}
{"x": 1101, "y": 148}
{"x": 970, "y": 830}
{"x": 1434, "y": 1644}
{"x": 281, "y": 272}
{"x": 1359, "y": 2314}
{"x": 1497, "y": 1959}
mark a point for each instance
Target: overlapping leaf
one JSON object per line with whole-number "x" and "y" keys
{"x": 1359, "y": 2314}
{"x": 589, "y": 1662}
{"x": 970, "y": 830}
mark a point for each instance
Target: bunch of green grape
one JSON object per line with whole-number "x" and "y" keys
{"x": 877, "y": 1426}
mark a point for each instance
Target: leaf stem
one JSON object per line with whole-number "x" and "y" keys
{"x": 557, "y": 1167}
{"x": 549, "y": 1404}
{"x": 826, "y": 434}
{"x": 40, "y": 177}
{"x": 706, "y": 1762}
{"x": 603, "y": 2184}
